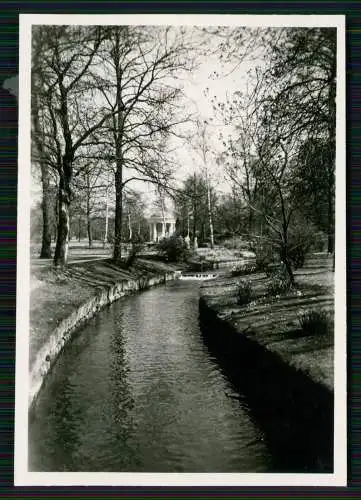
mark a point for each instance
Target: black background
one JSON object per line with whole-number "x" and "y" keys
{"x": 9, "y": 45}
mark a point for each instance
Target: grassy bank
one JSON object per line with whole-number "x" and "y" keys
{"x": 284, "y": 373}
{"x": 56, "y": 294}
{"x": 274, "y": 321}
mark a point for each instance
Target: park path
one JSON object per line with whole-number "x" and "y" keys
{"x": 35, "y": 261}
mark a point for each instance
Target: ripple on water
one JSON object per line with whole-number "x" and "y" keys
{"x": 139, "y": 391}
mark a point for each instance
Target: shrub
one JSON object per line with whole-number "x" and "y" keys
{"x": 264, "y": 252}
{"x": 297, "y": 252}
{"x": 262, "y": 262}
{"x": 316, "y": 323}
{"x": 279, "y": 282}
{"x": 229, "y": 245}
{"x": 301, "y": 238}
{"x": 135, "y": 249}
{"x": 174, "y": 249}
{"x": 273, "y": 269}
{"x": 244, "y": 292}
{"x": 236, "y": 243}
{"x": 319, "y": 243}
{"x": 196, "y": 265}
{"x": 243, "y": 270}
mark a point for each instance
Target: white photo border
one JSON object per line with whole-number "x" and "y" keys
{"x": 22, "y": 477}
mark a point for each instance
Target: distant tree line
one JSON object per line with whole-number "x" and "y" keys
{"x": 280, "y": 155}
{"x": 106, "y": 100}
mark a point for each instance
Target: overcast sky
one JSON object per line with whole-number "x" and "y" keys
{"x": 229, "y": 80}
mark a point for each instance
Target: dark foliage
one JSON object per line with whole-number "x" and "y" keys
{"x": 244, "y": 292}
{"x": 173, "y": 249}
{"x": 316, "y": 323}
{"x": 243, "y": 270}
{"x": 279, "y": 282}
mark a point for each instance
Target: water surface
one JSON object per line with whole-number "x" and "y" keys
{"x": 137, "y": 390}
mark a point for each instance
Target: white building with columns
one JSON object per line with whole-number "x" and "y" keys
{"x": 161, "y": 226}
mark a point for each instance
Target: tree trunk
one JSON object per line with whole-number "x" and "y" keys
{"x": 70, "y": 224}
{"x": 38, "y": 134}
{"x": 210, "y": 218}
{"x": 332, "y": 157}
{"x": 56, "y": 212}
{"x": 88, "y": 215}
{"x": 162, "y": 208}
{"x": 89, "y": 229}
{"x": 65, "y": 170}
{"x": 45, "y": 252}
{"x": 194, "y": 222}
{"x": 117, "y": 251}
{"x": 62, "y": 242}
{"x": 287, "y": 263}
{"x": 130, "y": 228}
{"x": 330, "y": 236}
{"x": 195, "y": 214}
{"x": 330, "y": 204}
{"x": 79, "y": 228}
{"x": 250, "y": 221}
{"x": 289, "y": 269}
{"x": 106, "y": 219}
{"x": 118, "y": 137}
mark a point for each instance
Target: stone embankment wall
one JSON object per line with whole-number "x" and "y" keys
{"x": 50, "y": 351}
{"x": 293, "y": 411}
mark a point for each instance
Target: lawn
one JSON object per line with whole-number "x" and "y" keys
{"x": 55, "y": 293}
{"x": 274, "y": 322}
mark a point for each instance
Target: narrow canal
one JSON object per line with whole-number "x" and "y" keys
{"x": 138, "y": 391}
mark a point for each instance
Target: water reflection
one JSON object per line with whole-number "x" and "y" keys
{"x": 144, "y": 394}
{"x": 279, "y": 401}
{"x": 64, "y": 418}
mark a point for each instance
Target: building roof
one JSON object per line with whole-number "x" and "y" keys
{"x": 158, "y": 217}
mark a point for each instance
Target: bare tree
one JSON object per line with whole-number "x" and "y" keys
{"x": 46, "y": 204}
{"x": 201, "y": 146}
{"x": 305, "y": 78}
{"x": 67, "y": 55}
{"x": 91, "y": 184}
{"x": 192, "y": 206}
{"x": 134, "y": 211}
{"x": 105, "y": 239}
{"x": 139, "y": 82}
{"x": 288, "y": 107}
{"x": 39, "y": 152}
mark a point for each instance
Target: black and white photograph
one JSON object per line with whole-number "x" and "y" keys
{"x": 181, "y": 298}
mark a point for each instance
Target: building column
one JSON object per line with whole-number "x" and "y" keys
{"x": 163, "y": 230}
{"x": 150, "y": 233}
{"x": 154, "y": 232}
